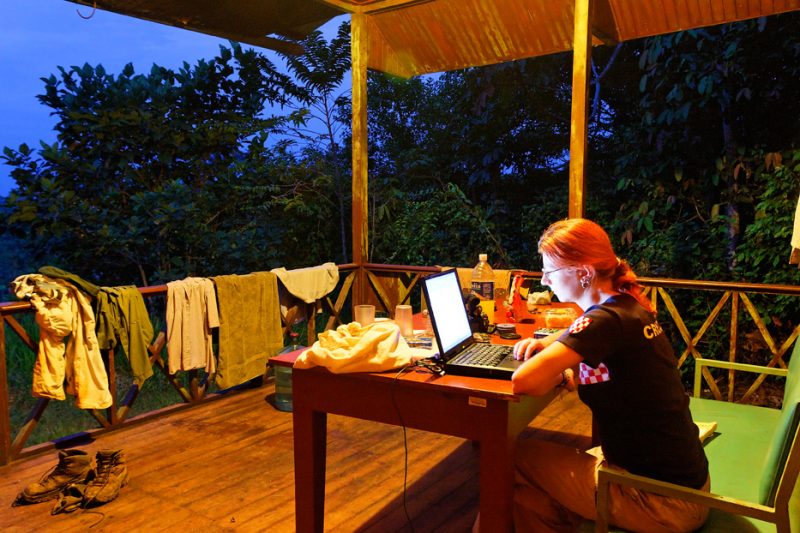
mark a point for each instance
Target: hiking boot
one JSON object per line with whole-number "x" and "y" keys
{"x": 110, "y": 475}
{"x": 70, "y": 499}
{"x": 73, "y": 467}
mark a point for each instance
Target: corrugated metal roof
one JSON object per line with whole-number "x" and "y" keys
{"x": 410, "y": 37}
{"x": 264, "y": 23}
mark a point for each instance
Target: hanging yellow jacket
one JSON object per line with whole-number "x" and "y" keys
{"x": 62, "y": 310}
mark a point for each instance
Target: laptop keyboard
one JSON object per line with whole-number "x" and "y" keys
{"x": 483, "y": 355}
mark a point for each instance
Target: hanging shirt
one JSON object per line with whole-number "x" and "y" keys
{"x": 191, "y": 314}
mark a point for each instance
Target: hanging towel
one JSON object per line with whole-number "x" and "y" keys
{"x": 249, "y": 326}
{"x": 354, "y": 348}
{"x": 191, "y": 314}
{"x": 63, "y": 311}
{"x": 309, "y": 284}
{"x": 794, "y": 257}
{"x": 122, "y": 318}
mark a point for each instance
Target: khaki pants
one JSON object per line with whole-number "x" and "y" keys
{"x": 555, "y": 488}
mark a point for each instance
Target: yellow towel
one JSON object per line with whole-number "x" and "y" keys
{"x": 309, "y": 284}
{"x": 249, "y": 326}
{"x": 353, "y": 348}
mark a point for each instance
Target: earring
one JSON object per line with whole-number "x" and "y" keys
{"x": 586, "y": 281}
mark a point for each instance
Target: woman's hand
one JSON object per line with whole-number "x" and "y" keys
{"x": 527, "y": 348}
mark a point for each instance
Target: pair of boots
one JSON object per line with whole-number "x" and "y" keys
{"x": 76, "y": 484}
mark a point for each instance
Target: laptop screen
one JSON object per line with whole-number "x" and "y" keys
{"x": 446, "y": 306}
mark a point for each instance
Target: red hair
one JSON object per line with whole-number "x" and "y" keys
{"x": 578, "y": 241}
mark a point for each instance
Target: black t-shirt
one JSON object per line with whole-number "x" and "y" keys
{"x": 630, "y": 381}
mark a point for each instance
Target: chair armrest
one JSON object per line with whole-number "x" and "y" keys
{"x": 606, "y": 476}
{"x": 700, "y": 363}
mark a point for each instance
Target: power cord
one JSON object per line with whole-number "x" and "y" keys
{"x": 434, "y": 367}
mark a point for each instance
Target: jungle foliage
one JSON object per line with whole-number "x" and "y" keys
{"x": 232, "y": 165}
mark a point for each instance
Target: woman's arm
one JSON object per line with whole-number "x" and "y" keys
{"x": 542, "y": 371}
{"x": 526, "y": 348}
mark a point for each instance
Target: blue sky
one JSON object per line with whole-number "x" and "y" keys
{"x": 37, "y": 36}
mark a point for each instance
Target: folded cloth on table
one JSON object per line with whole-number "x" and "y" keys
{"x": 309, "y": 284}
{"x": 354, "y": 348}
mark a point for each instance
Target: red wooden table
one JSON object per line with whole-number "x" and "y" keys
{"x": 479, "y": 409}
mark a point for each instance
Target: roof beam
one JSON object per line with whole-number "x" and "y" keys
{"x": 604, "y": 26}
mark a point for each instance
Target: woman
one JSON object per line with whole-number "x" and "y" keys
{"x": 629, "y": 379}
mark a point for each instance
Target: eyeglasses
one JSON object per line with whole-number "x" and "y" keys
{"x": 546, "y": 273}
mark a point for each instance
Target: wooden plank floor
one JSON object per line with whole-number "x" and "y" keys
{"x": 228, "y": 466}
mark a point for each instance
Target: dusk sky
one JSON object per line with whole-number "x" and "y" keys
{"x": 38, "y": 36}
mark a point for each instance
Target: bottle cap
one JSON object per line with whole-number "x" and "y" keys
{"x": 482, "y": 257}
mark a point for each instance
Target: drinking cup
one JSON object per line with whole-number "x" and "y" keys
{"x": 365, "y": 314}
{"x": 403, "y": 317}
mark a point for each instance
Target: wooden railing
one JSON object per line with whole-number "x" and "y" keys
{"x": 390, "y": 285}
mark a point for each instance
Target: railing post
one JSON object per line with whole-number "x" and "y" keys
{"x": 733, "y": 342}
{"x": 5, "y": 416}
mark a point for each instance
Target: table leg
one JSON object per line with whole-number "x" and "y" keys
{"x": 310, "y": 433}
{"x": 496, "y": 456}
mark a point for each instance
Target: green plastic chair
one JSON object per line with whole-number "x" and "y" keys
{"x": 765, "y": 498}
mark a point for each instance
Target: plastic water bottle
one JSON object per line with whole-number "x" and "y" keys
{"x": 483, "y": 285}
{"x": 283, "y": 379}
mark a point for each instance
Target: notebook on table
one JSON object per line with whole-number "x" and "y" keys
{"x": 458, "y": 350}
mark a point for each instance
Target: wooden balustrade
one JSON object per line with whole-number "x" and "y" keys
{"x": 390, "y": 285}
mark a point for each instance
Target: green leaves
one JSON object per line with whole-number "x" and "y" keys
{"x": 160, "y": 174}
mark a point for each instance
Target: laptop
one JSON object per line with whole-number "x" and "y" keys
{"x": 458, "y": 351}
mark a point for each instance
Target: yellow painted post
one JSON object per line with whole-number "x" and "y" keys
{"x": 360, "y": 185}
{"x": 581, "y": 69}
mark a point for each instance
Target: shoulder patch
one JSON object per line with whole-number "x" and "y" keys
{"x": 588, "y": 375}
{"x": 580, "y": 324}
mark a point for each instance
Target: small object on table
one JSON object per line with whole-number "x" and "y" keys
{"x": 508, "y": 331}
{"x": 419, "y": 341}
{"x": 545, "y": 332}
{"x": 560, "y": 317}
{"x": 403, "y": 318}
{"x": 539, "y": 298}
{"x": 364, "y": 314}
{"x": 506, "y": 327}
{"x": 481, "y": 337}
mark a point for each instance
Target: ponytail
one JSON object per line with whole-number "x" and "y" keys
{"x": 624, "y": 280}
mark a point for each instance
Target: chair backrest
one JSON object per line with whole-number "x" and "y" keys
{"x": 785, "y": 433}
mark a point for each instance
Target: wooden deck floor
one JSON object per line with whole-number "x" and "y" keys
{"x": 227, "y": 465}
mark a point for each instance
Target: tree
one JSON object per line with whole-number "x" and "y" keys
{"x": 325, "y": 112}
{"x": 158, "y": 176}
{"x": 708, "y": 98}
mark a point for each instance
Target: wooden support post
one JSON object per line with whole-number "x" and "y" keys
{"x": 579, "y": 131}
{"x": 360, "y": 186}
